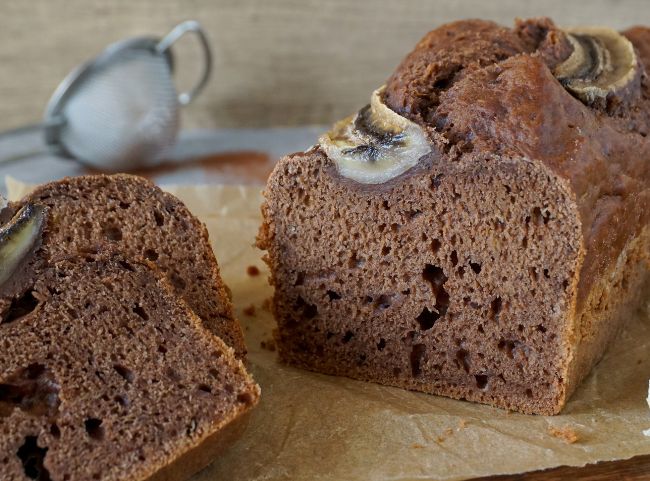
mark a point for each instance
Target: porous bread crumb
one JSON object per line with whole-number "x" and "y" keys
{"x": 249, "y": 311}
{"x": 252, "y": 271}
{"x": 565, "y": 433}
{"x": 462, "y": 423}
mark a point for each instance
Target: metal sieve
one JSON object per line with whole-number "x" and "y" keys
{"x": 121, "y": 109}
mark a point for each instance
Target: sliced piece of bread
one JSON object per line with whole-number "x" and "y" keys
{"x": 140, "y": 220}
{"x": 106, "y": 374}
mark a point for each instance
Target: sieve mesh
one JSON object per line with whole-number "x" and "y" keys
{"x": 124, "y": 114}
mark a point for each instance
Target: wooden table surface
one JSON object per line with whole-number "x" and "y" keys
{"x": 252, "y": 167}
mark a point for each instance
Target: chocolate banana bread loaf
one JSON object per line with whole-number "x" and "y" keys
{"x": 105, "y": 373}
{"x": 480, "y": 229}
{"x": 142, "y": 221}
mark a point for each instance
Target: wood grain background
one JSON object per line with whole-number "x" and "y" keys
{"x": 278, "y": 62}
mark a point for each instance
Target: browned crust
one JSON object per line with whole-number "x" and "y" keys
{"x": 205, "y": 453}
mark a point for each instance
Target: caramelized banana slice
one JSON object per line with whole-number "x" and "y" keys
{"x": 603, "y": 67}
{"x": 18, "y": 237}
{"x": 376, "y": 144}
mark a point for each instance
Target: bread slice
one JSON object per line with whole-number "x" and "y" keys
{"x": 142, "y": 221}
{"x": 500, "y": 266}
{"x": 105, "y": 374}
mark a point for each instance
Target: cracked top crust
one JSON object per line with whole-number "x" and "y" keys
{"x": 477, "y": 87}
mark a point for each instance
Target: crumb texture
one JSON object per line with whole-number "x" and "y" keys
{"x": 105, "y": 375}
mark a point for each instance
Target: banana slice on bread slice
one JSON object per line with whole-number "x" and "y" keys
{"x": 376, "y": 144}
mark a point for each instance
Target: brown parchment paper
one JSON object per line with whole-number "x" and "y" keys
{"x": 315, "y": 427}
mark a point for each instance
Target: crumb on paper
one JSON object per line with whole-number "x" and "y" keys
{"x": 462, "y": 423}
{"x": 269, "y": 345}
{"x": 266, "y": 304}
{"x": 417, "y": 446}
{"x": 565, "y": 433}
{"x": 249, "y": 311}
{"x": 252, "y": 271}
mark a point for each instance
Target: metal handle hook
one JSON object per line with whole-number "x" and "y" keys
{"x": 190, "y": 26}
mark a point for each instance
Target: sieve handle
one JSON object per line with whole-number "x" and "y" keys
{"x": 25, "y": 142}
{"x": 190, "y": 26}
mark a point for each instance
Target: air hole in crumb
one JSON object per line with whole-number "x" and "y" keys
{"x": 333, "y": 296}
{"x": 355, "y": 262}
{"x": 205, "y": 388}
{"x": 20, "y": 307}
{"x": 546, "y": 274}
{"x": 454, "y": 258}
{"x": 435, "y": 246}
{"x": 121, "y": 400}
{"x": 476, "y": 267}
{"x": 32, "y": 457}
{"x": 395, "y": 227}
{"x": 541, "y": 328}
{"x": 348, "y": 337}
{"x": 413, "y": 214}
{"x": 385, "y": 250}
{"x": 436, "y": 181}
{"x": 495, "y": 308}
{"x": 94, "y": 428}
{"x": 124, "y": 372}
{"x": 124, "y": 205}
{"x": 55, "y": 431}
{"x": 427, "y": 319}
{"x": 33, "y": 389}
{"x": 529, "y": 392}
{"x": 508, "y": 347}
{"x": 524, "y": 242}
{"x": 113, "y": 233}
{"x": 383, "y": 301}
{"x": 139, "y": 310}
{"x": 481, "y": 381}
{"x": 381, "y": 344}
{"x": 177, "y": 281}
{"x": 417, "y": 354}
{"x": 462, "y": 356}
{"x": 150, "y": 255}
{"x": 309, "y": 311}
{"x": 162, "y": 349}
{"x": 480, "y": 329}
{"x": 158, "y": 217}
{"x": 126, "y": 265}
{"x": 436, "y": 278}
{"x": 300, "y": 279}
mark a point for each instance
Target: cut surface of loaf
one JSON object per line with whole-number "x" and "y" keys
{"x": 105, "y": 374}
{"x": 501, "y": 265}
{"x": 139, "y": 219}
